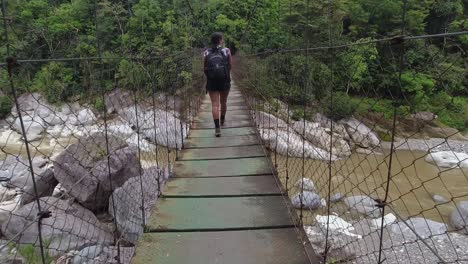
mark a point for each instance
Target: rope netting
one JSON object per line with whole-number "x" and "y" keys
{"x": 365, "y": 175}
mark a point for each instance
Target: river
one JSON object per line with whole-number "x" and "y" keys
{"x": 413, "y": 181}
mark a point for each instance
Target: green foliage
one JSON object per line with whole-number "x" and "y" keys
{"x": 55, "y": 81}
{"x": 32, "y": 254}
{"x": 99, "y": 104}
{"x": 341, "y": 106}
{"x": 417, "y": 87}
{"x": 5, "y": 106}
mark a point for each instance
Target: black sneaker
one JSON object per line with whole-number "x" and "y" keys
{"x": 217, "y": 132}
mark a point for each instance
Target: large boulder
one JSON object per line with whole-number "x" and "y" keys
{"x": 320, "y": 137}
{"x": 82, "y": 169}
{"x": 265, "y": 120}
{"x": 168, "y": 131}
{"x": 289, "y": 143}
{"x": 364, "y": 205}
{"x": 127, "y": 201}
{"x": 459, "y": 217}
{"x": 82, "y": 118}
{"x": 32, "y": 126}
{"x": 326, "y": 122}
{"x": 45, "y": 185}
{"x": 29, "y": 102}
{"x": 448, "y": 159}
{"x": 360, "y": 133}
{"x": 70, "y": 226}
{"x": 15, "y": 173}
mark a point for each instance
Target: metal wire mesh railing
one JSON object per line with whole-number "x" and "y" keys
{"x": 79, "y": 179}
{"x": 373, "y": 179}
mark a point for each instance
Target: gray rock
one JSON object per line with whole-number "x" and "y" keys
{"x": 69, "y": 227}
{"x": 45, "y": 184}
{"x": 424, "y": 228}
{"x": 83, "y": 117}
{"x": 98, "y": 254}
{"x": 320, "y": 137}
{"x": 14, "y": 171}
{"x": 33, "y": 127}
{"x": 310, "y": 200}
{"x": 128, "y": 201}
{"x": 402, "y": 247}
{"x": 448, "y": 159}
{"x": 82, "y": 169}
{"x": 265, "y": 120}
{"x": 28, "y": 102}
{"x": 424, "y": 116}
{"x": 459, "y": 217}
{"x": 336, "y": 197}
{"x": 340, "y": 249}
{"x": 360, "y": 133}
{"x": 438, "y": 199}
{"x": 118, "y": 99}
{"x": 168, "y": 132}
{"x": 364, "y": 205}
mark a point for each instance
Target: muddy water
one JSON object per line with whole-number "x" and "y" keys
{"x": 11, "y": 144}
{"x": 412, "y": 183}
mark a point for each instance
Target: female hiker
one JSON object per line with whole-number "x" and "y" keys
{"x": 217, "y": 67}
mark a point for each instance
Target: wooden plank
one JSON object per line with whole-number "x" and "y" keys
{"x": 219, "y": 213}
{"x": 222, "y": 168}
{"x": 244, "y": 185}
{"x": 277, "y": 246}
{"x": 222, "y": 153}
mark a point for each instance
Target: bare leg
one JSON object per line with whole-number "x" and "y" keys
{"x": 214, "y": 95}
{"x": 224, "y": 96}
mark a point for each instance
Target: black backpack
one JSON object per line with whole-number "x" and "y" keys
{"x": 217, "y": 65}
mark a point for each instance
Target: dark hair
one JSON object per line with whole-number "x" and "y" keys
{"x": 216, "y": 38}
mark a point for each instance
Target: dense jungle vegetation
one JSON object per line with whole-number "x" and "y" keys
{"x": 434, "y": 75}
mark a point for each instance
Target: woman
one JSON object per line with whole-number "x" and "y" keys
{"x": 217, "y": 67}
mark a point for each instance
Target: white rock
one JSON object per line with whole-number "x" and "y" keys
{"x": 388, "y": 219}
{"x": 265, "y": 120}
{"x": 84, "y": 117}
{"x": 336, "y": 223}
{"x": 6, "y": 194}
{"x": 33, "y": 127}
{"x": 305, "y": 184}
{"x": 448, "y": 159}
{"x": 289, "y": 143}
{"x": 320, "y": 137}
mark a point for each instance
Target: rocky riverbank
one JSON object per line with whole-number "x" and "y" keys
{"x": 87, "y": 197}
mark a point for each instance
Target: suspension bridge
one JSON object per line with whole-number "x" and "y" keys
{"x": 224, "y": 204}
{"x": 113, "y": 159}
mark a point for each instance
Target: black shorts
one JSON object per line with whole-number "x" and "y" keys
{"x": 215, "y": 85}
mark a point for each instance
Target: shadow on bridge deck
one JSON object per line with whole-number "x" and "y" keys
{"x": 224, "y": 204}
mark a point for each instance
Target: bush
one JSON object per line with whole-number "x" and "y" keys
{"x": 5, "y": 106}
{"x": 99, "y": 104}
{"x": 55, "y": 81}
{"x": 342, "y": 106}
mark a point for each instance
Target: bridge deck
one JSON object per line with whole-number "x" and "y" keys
{"x": 224, "y": 204}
